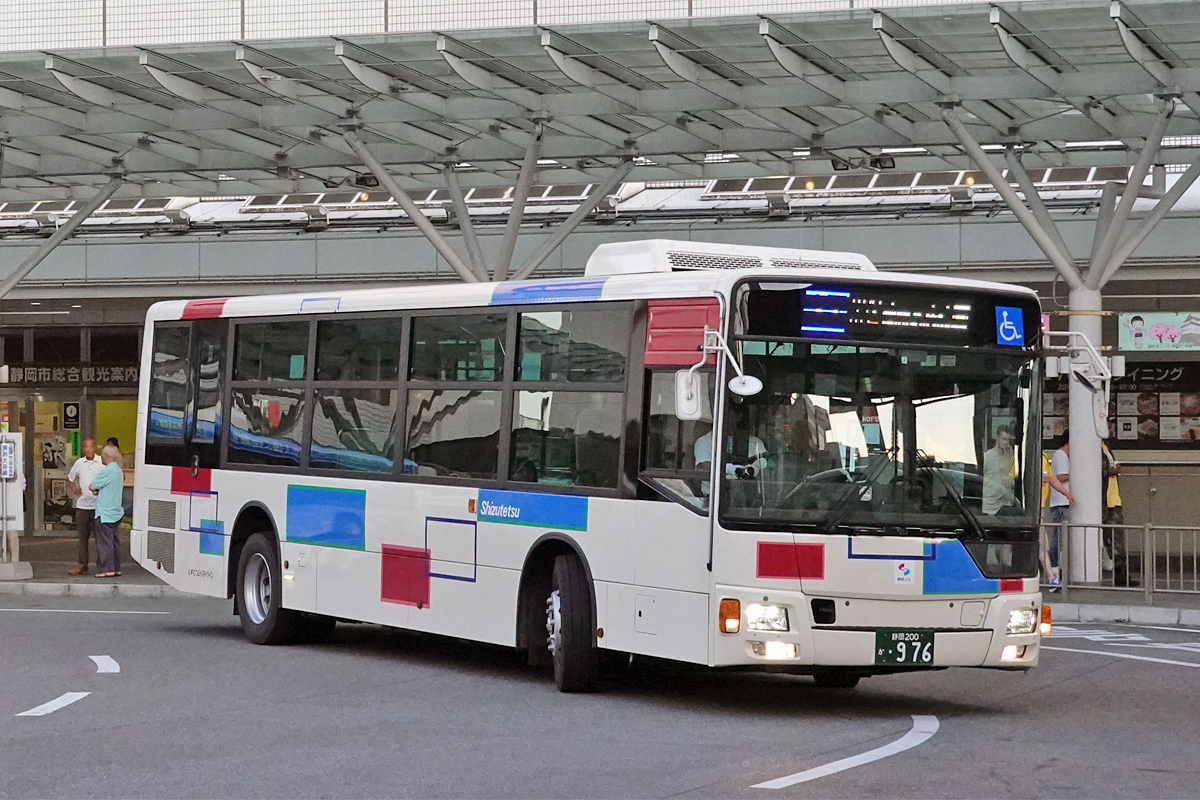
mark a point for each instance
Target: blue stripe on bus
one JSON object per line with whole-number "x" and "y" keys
{"x": 953, "y": 571}
{"x": 326, "y": 516}
{"x": 563, "y": 511}
{"x": 560, "y": 291}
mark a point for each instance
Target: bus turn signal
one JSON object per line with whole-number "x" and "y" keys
{"x": 729, "y": 616}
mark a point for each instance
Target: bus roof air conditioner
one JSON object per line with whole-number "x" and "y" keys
{"x": 668, "y": 255}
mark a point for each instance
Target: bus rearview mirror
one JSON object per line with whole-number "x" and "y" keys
{"x": 745, "y": 385}
{"x": 689, "y": 403}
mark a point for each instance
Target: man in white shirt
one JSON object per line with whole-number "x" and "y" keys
{"x": 1060, "y": 503}
{"x": 83, "y": 471}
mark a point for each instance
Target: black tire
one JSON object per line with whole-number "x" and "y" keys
{"x": 259, "y": 594}
{"x": 576, "y": 661}
{"x": 832, "y": 678}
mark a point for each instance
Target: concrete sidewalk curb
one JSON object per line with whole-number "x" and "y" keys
{"x": 138, "y": 590}
{"x": 1140, "y": 615}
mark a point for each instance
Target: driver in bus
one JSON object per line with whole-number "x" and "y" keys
{"x": 747, "y": 461}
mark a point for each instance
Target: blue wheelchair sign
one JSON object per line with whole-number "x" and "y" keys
{"x": 1010, "y": 326}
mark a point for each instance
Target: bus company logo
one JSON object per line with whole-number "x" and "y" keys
{"x": 498, "y": 511}
{"x": 903, "y": 574}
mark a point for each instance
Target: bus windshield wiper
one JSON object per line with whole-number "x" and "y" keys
{"x": 956, "y": 498}
{"x": 844, "y": 504}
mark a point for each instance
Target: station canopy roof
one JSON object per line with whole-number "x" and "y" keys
{"x": 1070, "y": 83}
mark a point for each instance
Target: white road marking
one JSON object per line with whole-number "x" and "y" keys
{"x": 923, "y": 727}
{"x": 81, "y": 611}
{"x": 106, "y": 664}
{"x": 54, "y": 705}
{"x": 1124, "y": 655}
{"x": 1159, "y": 628}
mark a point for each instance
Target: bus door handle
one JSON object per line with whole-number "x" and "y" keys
{"x": 195, "y": 466}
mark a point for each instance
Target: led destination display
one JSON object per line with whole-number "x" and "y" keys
{"x": 900, "y": 314}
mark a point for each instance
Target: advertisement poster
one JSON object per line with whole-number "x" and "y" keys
{"x": 1157, "y": 331}
{"x": 1155, "y": 406}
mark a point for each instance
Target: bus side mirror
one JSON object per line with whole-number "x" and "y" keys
{"x": 689, "y": 395}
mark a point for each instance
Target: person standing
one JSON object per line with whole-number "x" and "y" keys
{"x": 108, "y": 485}
{"x": 83, "y": 471}
{"x": 1114, "y": 518}
{"x": 999, "y": 473}
{"x": 1049, "y": 482}
{"x": 1060, "y": 465}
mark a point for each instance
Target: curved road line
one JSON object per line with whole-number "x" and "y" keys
{"x": 106, "y": 664}
{"x": 1125, "y": 655}
{"x": 923, "y": 727}
{"x": 54, "y": 705}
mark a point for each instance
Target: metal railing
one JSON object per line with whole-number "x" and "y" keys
{"x": 1151, "y": 559}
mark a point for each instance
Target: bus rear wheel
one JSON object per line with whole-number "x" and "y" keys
{"x": 569, "y": 625}
{"x": 260, "y": 595}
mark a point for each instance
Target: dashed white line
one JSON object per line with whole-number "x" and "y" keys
{"x": 1125, "y": 655}
{"x": 54, "y": 705}
{"x": 82, "y": 611}
{"x": 106, "y": 664}
{"x": 923, "y": 727}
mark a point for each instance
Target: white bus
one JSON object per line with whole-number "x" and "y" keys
{"x": 729, "y": 456}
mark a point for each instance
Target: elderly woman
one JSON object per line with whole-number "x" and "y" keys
{"x": 107, "y": 486}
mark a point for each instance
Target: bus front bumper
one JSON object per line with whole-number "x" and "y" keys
{"x": 857, "y": 636}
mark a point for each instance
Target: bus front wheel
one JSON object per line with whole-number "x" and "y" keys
{"x": 569, "y": 625}
{"x": 260, "y": 595}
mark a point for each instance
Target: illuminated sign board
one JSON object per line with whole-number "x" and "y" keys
{"x": 899, "y": 314}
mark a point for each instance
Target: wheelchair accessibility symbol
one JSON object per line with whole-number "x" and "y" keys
{"x": 1010, "y": 326}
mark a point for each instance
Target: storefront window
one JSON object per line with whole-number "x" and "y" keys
{"x": 56, "y": 346}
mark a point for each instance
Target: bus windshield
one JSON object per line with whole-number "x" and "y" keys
{"x": 884, "y": 439}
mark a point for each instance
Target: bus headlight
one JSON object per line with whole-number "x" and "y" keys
{"x": 760, "y": 617}
{"x": 1022, "y": 620}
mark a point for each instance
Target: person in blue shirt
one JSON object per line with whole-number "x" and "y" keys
{"x": 107, "y": 486}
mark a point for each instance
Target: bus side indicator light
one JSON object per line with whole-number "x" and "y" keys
{"x": 1045, "y": 626}
{"x": 729, "y": 616}
{"x": 471, "y": 506}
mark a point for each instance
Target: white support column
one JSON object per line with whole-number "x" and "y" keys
{"x": 516, "y": 211}
{"x": 465, "y": 226}
{"x": 1085, "y": 471}
{"x": 61, "y": 235}
{"x": 410, "y": 208}
{"x": 568, "y": 225}
{"x": 1061, "y": 261}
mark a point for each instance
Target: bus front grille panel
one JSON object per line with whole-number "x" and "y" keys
{"x": 160, "y": 514}
{"x": 160, "y": 547}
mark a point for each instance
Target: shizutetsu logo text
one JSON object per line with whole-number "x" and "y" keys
{"x": 903, "y": 574}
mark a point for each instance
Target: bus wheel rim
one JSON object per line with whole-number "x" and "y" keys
{"x": 553, "y": 621}
{"x": 257, "y": 589}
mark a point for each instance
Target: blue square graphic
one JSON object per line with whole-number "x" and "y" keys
{"x": 1010, "y": 326}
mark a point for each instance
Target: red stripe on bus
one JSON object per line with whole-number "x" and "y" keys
{"x": 675, "y": 330}
{"x": 783, "y": 560}
{"x": 204, "y": 309}
{"x": 183, "y": 482}
{"x": 1012, "y": 584}
{"x": 404, "y": 576}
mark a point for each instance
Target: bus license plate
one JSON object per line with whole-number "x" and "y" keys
{"x": 914, "y": 648}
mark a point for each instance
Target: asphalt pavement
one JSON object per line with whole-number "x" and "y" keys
{"x": 196, "y": 711}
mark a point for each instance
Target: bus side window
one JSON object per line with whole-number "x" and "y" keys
{"x": 568, "y": 410}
